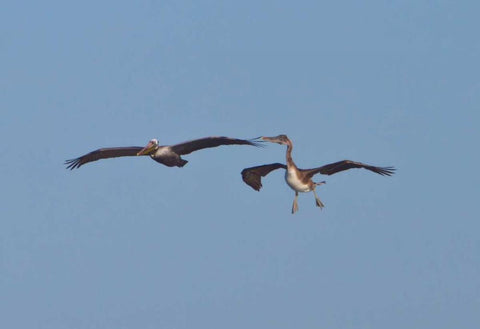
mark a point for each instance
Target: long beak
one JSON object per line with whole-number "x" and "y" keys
{"x": 267, "y": 139}
{"x": 147, "y": 149}
{"x": 258, "y": 139}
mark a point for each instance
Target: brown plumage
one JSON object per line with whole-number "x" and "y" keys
{"x": 168, "y": 155}
{"x": 253, "y": 175}
{"x": 300, "y": 180}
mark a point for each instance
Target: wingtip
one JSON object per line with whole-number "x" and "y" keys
{"x": 257, "y": 142}
{"x": 256, "y": 187}
{"x": 388, "y": 171}
{"x": 72, "y": 164}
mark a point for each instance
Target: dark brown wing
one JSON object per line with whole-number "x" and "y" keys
{"x": 104, "y": 153}
{"x": 335, "y": 167}
{"x": 253, "y": 175}
{"x": 202, "y": 143}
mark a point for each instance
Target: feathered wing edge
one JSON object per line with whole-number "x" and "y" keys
{"x": 253, "y": 176}
{"x": 208, "y": 142}
{"x": 103, "y": 153}
{"x": 342, "y": 165}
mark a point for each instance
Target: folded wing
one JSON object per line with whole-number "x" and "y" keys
{"x": 253, "y": 175}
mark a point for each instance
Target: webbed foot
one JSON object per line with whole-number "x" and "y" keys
{"x": 294, "y": 206}
{"x": 319, "y": 203}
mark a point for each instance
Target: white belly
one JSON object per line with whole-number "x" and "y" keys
{"x": 295, "y": 183}
{"x": 162, "y": 151}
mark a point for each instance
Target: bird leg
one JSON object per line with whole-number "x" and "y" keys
{"x": 317, "y": 200}
{"x": 295, "y": 203}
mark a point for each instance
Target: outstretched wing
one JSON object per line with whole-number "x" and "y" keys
{"x": 335, "y": 167}
{"x": 202, "y": 143}
{"x": 103, "y": 153}
{"x": 253, "y": 175}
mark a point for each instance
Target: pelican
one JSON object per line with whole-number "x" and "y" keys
{"x": 300, "y": 180}
{"x": 168, "y": 155}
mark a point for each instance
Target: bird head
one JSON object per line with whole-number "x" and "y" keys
{"x": 151, "y": 147}
{"x": 280, "y": 139}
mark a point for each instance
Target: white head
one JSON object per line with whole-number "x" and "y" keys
{"x": 150, "y": 148}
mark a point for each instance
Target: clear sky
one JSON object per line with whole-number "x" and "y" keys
{"x": 129, "y": 243}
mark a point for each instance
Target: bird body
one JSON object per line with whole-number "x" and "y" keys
{"x": 295, "y": 183}
{"x": 300, "y": 180}
{"x": 168, "y": 155}
{"x": 165, "y": 156}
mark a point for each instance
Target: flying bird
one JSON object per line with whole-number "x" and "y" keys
{"x": 168, "y": 155}
{"x": 300, "y": 180}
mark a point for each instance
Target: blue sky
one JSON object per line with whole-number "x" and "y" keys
{"x": 128, "y": 243}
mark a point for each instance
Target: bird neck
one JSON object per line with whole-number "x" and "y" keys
{"x": 290, "y": 162}
{"x": 154, "y": 151}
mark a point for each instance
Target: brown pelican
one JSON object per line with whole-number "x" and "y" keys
{"x": 300, "y": 180}
{"x": 169, "y": 155}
